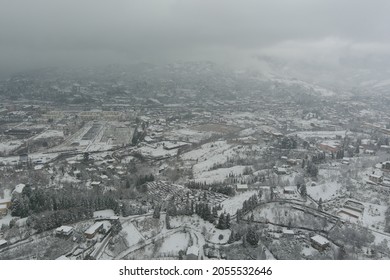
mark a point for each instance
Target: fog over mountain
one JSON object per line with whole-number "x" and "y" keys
{"x": 322, "y": 34}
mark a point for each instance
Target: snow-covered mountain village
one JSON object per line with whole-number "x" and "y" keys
{"x": 192, "y": 161}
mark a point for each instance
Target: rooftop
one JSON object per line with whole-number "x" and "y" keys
{"x": 320, "y": 239}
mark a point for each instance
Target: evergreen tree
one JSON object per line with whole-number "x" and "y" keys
{"x": 252, "y": 236}
{"x": 156, "y": 212}
{"x": 168, "y": 221}
{"x": 228, "y": 221}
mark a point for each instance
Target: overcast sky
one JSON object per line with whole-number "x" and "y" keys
{"x": 36, "y": 33}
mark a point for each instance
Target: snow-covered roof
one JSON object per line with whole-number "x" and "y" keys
{"x": 4, "y": 200}
{"x": 19, "y": 188}
{"x": 242, "y": 186}
{"x": 3, "y": 206}
{"x": 64, "y": 229}
{"x": 290, "y": 188}
{"x": 92, "y": 229}
{"x": 3, "y": 241}
{"x": 193, "y": 250}
{"x": 376, "y": 176}
{"x": 288, "y": 231}
{"x": 320, "y": 240}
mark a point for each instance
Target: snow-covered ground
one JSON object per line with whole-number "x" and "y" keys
{"x": 131, "y": 234}
{"x": 374, "y": 216}
{"x": 218, "y": 175}
{"x": 175, "y": 243}
{"x": 232, "y": 204}
{"x": 325, "y": 191}
{"x": 319, "y": 134}
{"x": 6, "y": 147}
{"x": 209, "y": 155}
{"x": 156, "y": 151}
{"x": 103, "y": 213}
{"x": 207, "y": 229}
{"x": 49, "y": 134}
{"x": 188, "y": 134}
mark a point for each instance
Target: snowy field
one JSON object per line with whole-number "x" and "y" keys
{"x": 175, "y": 243}
{"x": 189, "y": 135}
{"x": 208, "y": 154}
{"x": 208, "y": 230}
{"x": 49, "y": 134}
{"x": 232, "y": 204}
{"x": 319, "y": 134}
{"x": 374, "y": 216}
{"x": 325, "y": 191}
{"x": 156, "y": 151}
{"x": 9, "y": 146}
{"x": 218, "y": 175}
{"x": 131, "y": 234}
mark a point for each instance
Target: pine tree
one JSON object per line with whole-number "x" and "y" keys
{"x": 156, "y": 212}
{"x": 168, "y": 221}
{"x": 252, "y": 236}
{"x": 228, "y": 221}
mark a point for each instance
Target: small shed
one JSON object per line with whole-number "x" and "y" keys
{"x": 319, "y": 242}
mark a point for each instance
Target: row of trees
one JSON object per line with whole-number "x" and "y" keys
{"x": 34, "y": 201}
{"x": 214, "y": 187}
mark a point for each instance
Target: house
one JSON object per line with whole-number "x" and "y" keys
{"x": 241, "y": 187}
{"x": 319, "y": 242}
{"x": 289, "y": 190}
{"x": 23, "y": 158}
{"x": 192, "y": 253}
{"x": 103, "y": 226}
{"x": 329, "y": 146}
{"x": 64, "y": 231}
{"x": 174, "y": 145}
{"x": 376, "y": 178}
{"x": 288, "y": 232}
{"x": 6, "y": 201}
{"x": 281, "y": 171}
{"x": 3, "y": 210}
{"x": 386, "y": 165}
{"x": 369, "y": 152}
{"x": 3, "y": 243}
